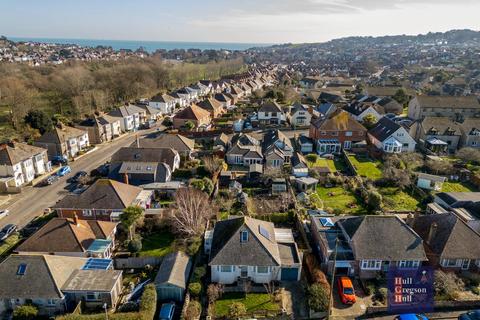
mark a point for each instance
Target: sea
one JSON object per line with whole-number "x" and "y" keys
{"x": 149, "y": 46}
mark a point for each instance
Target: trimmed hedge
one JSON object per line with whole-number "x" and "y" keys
{"x": 148, "y": 306}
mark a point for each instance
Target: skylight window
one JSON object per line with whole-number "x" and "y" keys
{"x": 264, "y": 232}
{"x": 22, "y": 268}
{"x": 326, "y": 222}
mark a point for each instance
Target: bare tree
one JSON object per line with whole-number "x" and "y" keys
{"x": 190, "y": 211}
{"x": 212, "y": 164}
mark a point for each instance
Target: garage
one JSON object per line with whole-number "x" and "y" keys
{"x": 342, "y": 268}
{"x": 289, "y": 274}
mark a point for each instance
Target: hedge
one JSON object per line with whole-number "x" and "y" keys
{"x": 148, "y": 306}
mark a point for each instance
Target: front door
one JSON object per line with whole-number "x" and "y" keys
{"x": 243, "y": 271}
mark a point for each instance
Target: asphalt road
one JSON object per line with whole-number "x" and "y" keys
{"x": 32, "y": 202}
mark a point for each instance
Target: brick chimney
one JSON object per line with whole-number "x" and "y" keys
{"x": 125, "y": 178}
{"x": 432, "y": 232}
{"x": 75, "y": 219}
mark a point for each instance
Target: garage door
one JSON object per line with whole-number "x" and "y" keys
{"x": 289, "y": 274}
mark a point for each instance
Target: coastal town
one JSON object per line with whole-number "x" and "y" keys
{"x": 292, "y": 189}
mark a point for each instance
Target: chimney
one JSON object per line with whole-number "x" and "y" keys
{"x": 432, "y": 232}
{"x": 125, "y": 178}
{"x": 75, "y": 219}
{"x": 138, "y": 141}
{"x": 410, "y": 219}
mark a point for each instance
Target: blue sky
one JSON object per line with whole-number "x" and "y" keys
{"x": 251, "y": 21}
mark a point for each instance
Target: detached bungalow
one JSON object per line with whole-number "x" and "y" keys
{"x": 246, "y": 249}
{"x": 104, "y": 200}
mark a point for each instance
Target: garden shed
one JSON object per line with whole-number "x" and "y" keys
{"x": 172, "y": 278}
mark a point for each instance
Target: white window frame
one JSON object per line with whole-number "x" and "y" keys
{"x": 87, "y": 212}
{"x": 348, "y": 133}
{"x": 263, "y": 270}
{"x": 408, "y": 264}
{"x": 371, "y": 264}
{"x": 446, "y": 263}
{"x": 243, "y": 236}
{"x": 226, "y": 269}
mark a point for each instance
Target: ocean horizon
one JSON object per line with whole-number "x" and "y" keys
{"x": 149, "y": 46}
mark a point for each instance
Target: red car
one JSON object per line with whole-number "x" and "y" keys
{"x": 345, "y": 290}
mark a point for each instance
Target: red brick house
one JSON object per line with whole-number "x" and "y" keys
{"x": 338, "y": 131}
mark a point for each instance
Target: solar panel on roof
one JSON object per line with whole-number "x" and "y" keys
{"x": 98, "y": 264}
{"x": 326, "y": 222}
{"x": 264, "y": 232}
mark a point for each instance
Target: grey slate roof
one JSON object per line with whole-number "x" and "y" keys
{"x": 257, "y": 251}
{"x": 383, "y": 238}
{"x": 44, "y": 276}
{"x": 133, "y": 154}
{"x": 454, "y": 239}
{"x": 166, "y": 140}
{"x": 384, "y": 129}
{"x": 174, "y": 270}
{"x": 270, "y": 107}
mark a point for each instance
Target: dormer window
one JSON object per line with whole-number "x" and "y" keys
{"x": 244, "y": 236}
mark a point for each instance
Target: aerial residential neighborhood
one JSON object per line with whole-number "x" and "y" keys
{"x": 331, "y": 180}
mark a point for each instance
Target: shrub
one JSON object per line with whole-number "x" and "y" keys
{"x": 25, "y": 312}
{"x": 214, "y": 291}
{"x": 208, "y": 185}
{"x": 193, "y": 310}
{"x": 199, "y": 273}
{"x": 135, "y": 245}
{"x": 195, "y": 288}
{"x": 318, "y": 297}
{"x": 312, "y": 157}
{"x": 236, "y": 310}
{"x": 447, "y": 285}
{"x": 193, "y": 245}
{"x": 471, "y": 279}
{"x": 381, "y": 295}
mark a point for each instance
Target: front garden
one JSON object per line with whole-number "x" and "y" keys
{"x": 254, "y": 303}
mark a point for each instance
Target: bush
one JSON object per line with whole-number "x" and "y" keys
{"x": 25, "y": 312}
{"x": 381, "y": 295}
{"x": 195, "y": 288}
{"x": 312, "y": 157}
{"x": 193, "y": 245}
{"x": 135, "y": 245}
{"x": 471, "y": 279}
{"x": 199, "y": 273}
{"x": 236, "y": 310}
{"x": 318, "y": 297}
{"x": 214, "y": 291}
{"x": 447, "y": 285}
{"x": 193, "y": 310}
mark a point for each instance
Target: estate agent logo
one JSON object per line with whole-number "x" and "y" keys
{"x": 410, "y": 290}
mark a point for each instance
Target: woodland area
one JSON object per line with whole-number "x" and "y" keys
{"x": 71, "y": 91}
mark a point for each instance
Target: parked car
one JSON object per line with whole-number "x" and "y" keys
{"x": 59, "y": 160}
{"x": 77, "y": 176}
{"x": 7, "y": 231}
{"x": 346, "y": 291}
{"x": 50, "y": 180}
{"x": 411, "y": 316}
{"x": 167, "y": 311}
{"x": 4, "y": 213}
{"x": 470, "y": 315}
{"x": 63, "y": 171}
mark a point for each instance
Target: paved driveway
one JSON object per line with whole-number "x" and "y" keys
{"x": 343, "y": 311}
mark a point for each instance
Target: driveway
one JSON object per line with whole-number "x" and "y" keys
{"x": 294, "y": 300}
{"x": 343, "y": 311}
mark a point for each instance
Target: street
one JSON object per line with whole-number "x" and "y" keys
{"x": 32, "y": 201}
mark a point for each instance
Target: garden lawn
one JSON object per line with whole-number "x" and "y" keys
{"x": 157, "y": 244}
{"x": 321, "y": 162}
{"x": 252, "y": 301}
{"x": 396, "y": 200}
{"x": 457, "y": 187}
{"x": 366, "y": 167}
{"x": 341, "y": 199}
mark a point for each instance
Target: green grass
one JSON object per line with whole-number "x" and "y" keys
{"x": 396, "y": 200}
{"x": 252, "y": 301}
{"x": 341, "y": 199}
{"x": 321, "y": 162}
{"x": 367, "y": 167}
{"x": 223, "y": 215}
{"x": 457, "y": 187}
{"x": 157, "y": 244}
